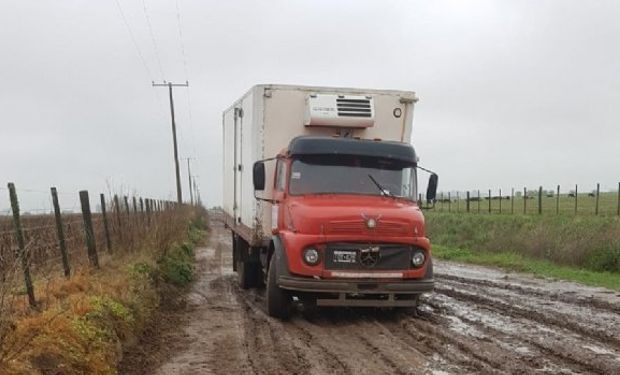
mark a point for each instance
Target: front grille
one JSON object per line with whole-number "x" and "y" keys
{"x": 360, "y": 256}
{"x": 383, "y": 228}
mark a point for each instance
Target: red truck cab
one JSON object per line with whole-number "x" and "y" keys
{"x": 347, "y": 227}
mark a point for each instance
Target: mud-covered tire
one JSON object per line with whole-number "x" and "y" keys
{"x": 247, "y": 274}
{"x": 279, "y": 301}
{"x": 235, "y": 251}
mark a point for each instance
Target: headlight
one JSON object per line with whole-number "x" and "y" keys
{"x": 418, "y": 258}
{"x": 311, "y": 256}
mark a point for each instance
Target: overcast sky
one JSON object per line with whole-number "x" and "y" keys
{"x": 512, "y": 93}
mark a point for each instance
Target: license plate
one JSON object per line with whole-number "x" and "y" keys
{"x": 341, "y": 256}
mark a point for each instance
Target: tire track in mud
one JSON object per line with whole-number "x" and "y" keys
{"x": 547, "y": 350}
{"x": 566, "y": 297}
{"x": 560, "y": 320}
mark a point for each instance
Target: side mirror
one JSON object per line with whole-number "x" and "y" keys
{"x": 431, "y": 190}
{"x": 258, "y": 175}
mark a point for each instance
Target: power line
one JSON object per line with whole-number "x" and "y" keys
{"x": 133, "y": 39}
{"x": 186, "y": 70}
{"x": 176, "y": 3}
{"x": 155, "y": 48}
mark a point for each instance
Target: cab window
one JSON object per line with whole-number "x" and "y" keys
{"x": 280, "y": 175}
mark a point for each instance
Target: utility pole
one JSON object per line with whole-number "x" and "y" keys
{"x": 170, "y": 85}
{"x": 189, "y": 176}
{"x": 196, "y": 191}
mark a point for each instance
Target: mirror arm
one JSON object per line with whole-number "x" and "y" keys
{"x": 425, "y": 170}
{"x": 272, "y": 201}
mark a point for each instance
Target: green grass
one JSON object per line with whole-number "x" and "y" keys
{"x": 518, "y": 262}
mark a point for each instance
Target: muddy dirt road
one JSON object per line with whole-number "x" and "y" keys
{"x": 479, "y": 320}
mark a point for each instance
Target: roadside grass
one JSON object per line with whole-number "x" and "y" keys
{"x": 519, "y": 263}
{"x": 585, "y": 249}
{"x": 85, "y": 322}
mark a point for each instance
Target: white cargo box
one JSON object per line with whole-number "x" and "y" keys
{"x": 262, "y": 123}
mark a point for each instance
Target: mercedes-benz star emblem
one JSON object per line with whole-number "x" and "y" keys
{"x": 371, "y": 223}
{"x": 370, "y": 256}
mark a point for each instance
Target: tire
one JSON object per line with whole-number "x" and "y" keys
{"x": 247, "y": 274}
{"x": 279, "y": 301}
{"x": 235, "y": 251}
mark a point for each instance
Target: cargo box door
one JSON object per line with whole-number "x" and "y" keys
{"x": 237, "y": 163}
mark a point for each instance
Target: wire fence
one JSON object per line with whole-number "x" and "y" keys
{"x": 538, "y": 201}
{"x": 51, "y": 242}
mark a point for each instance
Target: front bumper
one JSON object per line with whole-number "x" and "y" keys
{"x": 365, "y": 286}
{"x": 377, "y": 293}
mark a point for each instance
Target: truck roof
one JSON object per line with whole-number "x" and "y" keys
{"x": 317, "y": 145}
{"x": 405, "y": 95}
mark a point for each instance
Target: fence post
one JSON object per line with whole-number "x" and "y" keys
{"x": 106, "y": 228}
{"x": 500, "y": 201}
{"x": 147, "y": 203}
{"x": 458, "y": 202}
{"x": 88, "y": 229}
{"x": 512, "y": 201}
{"x": 467, "y": 201}
{"x": 117, "y": 211}
{"x": 62, "y": 244}
{"x": 21, "y": 251}
{"x": 598, "y": 193}
{"x": 135, "y": 205}
{"x": 449, "y": 202}
{"x": 524, "y": 200}
{"x": 540, "y": 200}
{"x": 490, "y": 200}
{"x": 478, "y": 201}
{"x": 576, "y": 196}
{"x": 618, "y": 198}
{"x": 557, "y": 201}
{"x": 126, "y": 206}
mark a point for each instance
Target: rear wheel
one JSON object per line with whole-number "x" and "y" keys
{"x": 279, "y": 301}
{"x": 248, "y": 274}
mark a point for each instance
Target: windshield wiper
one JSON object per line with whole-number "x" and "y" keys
{"x": 384, "y": 192}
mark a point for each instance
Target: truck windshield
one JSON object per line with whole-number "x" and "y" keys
{"x": 329, "y": 174}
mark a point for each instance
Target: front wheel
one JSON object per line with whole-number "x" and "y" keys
{"x": 279, "y": 301}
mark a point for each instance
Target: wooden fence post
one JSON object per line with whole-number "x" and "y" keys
{"x": 576, "y": 196}
{"x": 557, "y": 201}
{"x": 458, "y": 202}
{"x": 119, "y": 222}
{"x": 512, "y": 200}
{"x": 21, "y": 244}
{"x": 149, "y": 207}
{"x": 468, "y": 201}
{"x": 449, "y": 202}
{"x": 62, "y": 244}
{"x": 126, "y": 206}
{"x": 478, "y": 201}
{"x": 106, "y": 228}
{"x": 88, "y": 229}
{"x": 500, "y": 201}
{"x": 135, "y": 205}
{"x": 618, "y": 198}
{"x": 598, "y": 193}
{"x": 540, "y": 200}
{"x": 490, "y": 200}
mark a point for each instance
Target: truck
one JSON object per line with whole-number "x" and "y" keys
{"x": 320, "y": 194}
